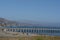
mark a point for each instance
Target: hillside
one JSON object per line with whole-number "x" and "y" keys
{"x": 6, "y": 22}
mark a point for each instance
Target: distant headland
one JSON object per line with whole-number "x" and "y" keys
{"x": 7, "y": 22}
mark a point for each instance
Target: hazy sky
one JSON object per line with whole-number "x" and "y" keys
{"x": 35, "y": 10}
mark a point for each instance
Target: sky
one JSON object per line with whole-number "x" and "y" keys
{"x": 34, "y": 10}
